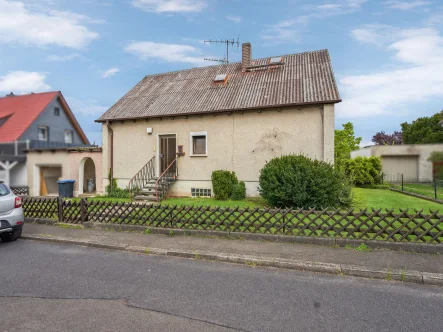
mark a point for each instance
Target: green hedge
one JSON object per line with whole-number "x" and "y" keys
{"x": 223, "y": 183}
{"x": 364, "y": 171}
{"x": 296, "y": 181}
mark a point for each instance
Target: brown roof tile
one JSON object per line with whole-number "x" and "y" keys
{"x": 305, "y": 78}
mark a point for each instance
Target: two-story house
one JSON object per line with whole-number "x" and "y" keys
{"x": 35, "y": 121}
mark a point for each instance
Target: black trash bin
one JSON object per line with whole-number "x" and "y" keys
{"x": 66, "y": 188}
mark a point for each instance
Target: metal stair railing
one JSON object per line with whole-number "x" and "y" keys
{"x": 142, "y": 178}
{"x": 164, "y": 181}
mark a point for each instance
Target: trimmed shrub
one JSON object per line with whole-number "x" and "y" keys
{"x": 239, "y": 191}
{"x": 223, "y": 183}
{"x": 364, "y": 171}
{"x": 296, "y": 181}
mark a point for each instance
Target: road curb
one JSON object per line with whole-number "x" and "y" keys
{"x": 253, "y": 261}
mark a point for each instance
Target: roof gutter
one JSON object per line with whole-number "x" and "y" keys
{"x": 335, "y": 101}
{"x": 111, "y": 169}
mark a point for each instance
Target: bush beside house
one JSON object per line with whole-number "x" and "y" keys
{"x": 223, "y": 183}
{"x": 296, "y": 181}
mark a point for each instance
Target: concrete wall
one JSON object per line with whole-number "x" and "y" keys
{"x": 56, "y": 124}
{"x": 18, "y": 175}
{"x": 78, "y": 160}
{"x": 242, "y": 142}
{"x": 35, "y": 160}
{"x": 422, "y": 151}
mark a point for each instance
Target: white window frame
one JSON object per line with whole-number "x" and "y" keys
{"x": 191, "y": 143}
{"x": 72, "y": 136}
{"x": 46, "y": 128}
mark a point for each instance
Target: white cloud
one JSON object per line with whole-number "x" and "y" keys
{"x": 18, "y": 24}
{"x": 90, "y": 108}
{"x": 20, "y": 82}
{"x": 289, "y": 30}
{"x": 406, "y": 5}
{"x": 170, "y": 6}
{"x": 419, "y": 55}
{"x": 235, "y": 19}
{"x": 62, "y": 58}
{"x": 166, "y": 52}
{"x": 110, "y": 72}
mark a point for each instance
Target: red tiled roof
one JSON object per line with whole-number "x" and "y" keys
{"x": 305, "y": 78}
{"x": 22, "y": 111}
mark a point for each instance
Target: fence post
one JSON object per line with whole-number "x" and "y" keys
{"x": 435, "y": 189}
{"x": 402, "y": 188}
{"x": 82, "y": 210}
{"x": 60, "y": 208}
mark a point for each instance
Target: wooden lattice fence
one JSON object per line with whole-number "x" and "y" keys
{"x": 411, "y": 226}
{"x": 20, "y": 191}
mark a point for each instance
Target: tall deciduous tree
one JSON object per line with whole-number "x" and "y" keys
{"x": 345, "y": 142}
{"x": 424, "y": 130}
{"x": 381, "y": 138}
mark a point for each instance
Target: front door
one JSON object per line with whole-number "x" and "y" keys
{"x": 167, "y": 151}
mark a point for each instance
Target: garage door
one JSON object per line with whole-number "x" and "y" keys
{"x": 394, "y": 166}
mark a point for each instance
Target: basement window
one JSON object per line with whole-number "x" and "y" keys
{"x": 199, "y": 144}
{"x": 198, "y": 192}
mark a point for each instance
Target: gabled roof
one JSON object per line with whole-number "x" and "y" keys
{"x": 19, "y": 112}
{"x": 305, "y": 78}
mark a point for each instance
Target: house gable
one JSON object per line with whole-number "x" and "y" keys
{"x": 56, "y": 125}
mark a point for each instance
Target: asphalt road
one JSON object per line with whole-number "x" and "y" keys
{"x": 49, "y": 287}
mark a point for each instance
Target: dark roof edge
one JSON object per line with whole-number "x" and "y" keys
{"x": 221, "y": 111}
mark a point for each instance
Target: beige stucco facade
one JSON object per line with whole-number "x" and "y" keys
{"x": 408, "y": 159}
{"x": 240, "y": 141}
{"x": 63, "y": 165}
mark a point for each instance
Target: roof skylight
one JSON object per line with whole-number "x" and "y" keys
{"x": 220, "y": 78}
{"x": 276, "y": 59}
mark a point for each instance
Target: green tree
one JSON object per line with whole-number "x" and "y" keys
{"x": 345, "y": 142}
{"x": 423, "y": 130}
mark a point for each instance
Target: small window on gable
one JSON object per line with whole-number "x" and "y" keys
{"x": 43, "y": 133}
{"x": 220, "y": 78}
{"x": 199, "y": 144}
{"x": 57, "y": 111}
{"x": 69, "y": 135}
{"x": 276, "y": 59}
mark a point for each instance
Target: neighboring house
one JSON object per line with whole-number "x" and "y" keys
{"x": 409, "y": 160}
{"x": 37, "y": 121}
{"x": 233, "y": 116}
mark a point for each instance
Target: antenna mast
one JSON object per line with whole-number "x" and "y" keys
{"x": 228, "y": 42}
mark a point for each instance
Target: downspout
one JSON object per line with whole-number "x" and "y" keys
{"x": 111, "y": 132}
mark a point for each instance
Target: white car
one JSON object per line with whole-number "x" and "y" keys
{"x": 11, "y": 214}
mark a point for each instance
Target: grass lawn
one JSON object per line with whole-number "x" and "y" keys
{"x": 425, "y": 189}
{"x": 378, "y": 198}
{"x": 363, "y": 198}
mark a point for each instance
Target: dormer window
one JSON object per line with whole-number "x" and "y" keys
{"x": 57, "y": 111}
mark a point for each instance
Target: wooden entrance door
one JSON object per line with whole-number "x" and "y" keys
{"x": 167, "y": 151}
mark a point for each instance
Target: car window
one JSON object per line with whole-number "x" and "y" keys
{"x": 4, "y": 190}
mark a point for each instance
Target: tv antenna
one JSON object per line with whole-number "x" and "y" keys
{"x": 228, "y": 42}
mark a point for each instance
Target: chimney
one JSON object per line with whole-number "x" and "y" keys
{"x": 246, "y": 56}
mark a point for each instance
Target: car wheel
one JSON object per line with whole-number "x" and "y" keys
{"x": 14, "y": 235}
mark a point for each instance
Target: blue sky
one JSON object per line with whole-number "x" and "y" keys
{"x": 387, "y": 55}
